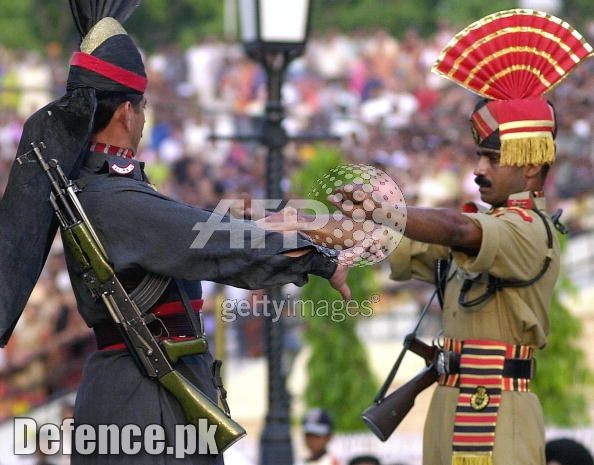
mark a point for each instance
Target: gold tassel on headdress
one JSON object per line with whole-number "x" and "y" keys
{"x": 522, "y": 151}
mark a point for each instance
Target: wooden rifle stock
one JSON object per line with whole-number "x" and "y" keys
{"x": 384, "y": 417}
{"x": 386, "y": 414}
{"x": 425, "y": 351}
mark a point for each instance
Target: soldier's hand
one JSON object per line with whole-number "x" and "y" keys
{"x": 368, "y": 201}
{"x": 285, "y": 220}
{"x": 242, "y": 208}
{"x": 359, "y": 242}
{"x": 348, "y": 258}
{"x": 338, "y": 281}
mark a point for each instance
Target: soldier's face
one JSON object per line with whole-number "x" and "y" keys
{"x": 496, "y": 183}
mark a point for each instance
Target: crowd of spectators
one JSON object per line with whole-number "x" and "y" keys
{"x": 372, "y": 90}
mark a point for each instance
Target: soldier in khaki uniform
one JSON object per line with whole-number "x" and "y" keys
{"x": 503, "y": 262}
{"x": 511, "y": 245}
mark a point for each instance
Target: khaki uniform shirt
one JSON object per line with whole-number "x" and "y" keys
{"x": 513, "y": 246}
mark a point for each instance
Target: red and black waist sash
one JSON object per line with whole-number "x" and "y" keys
{"x": 481, "y": 379}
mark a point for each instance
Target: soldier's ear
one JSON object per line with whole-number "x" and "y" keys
{"x": 532, "y": 171}
{"x": 126, "y": 109}
{"x": 121, "y": 113}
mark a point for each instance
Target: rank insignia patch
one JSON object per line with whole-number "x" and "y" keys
{"x": 122, "y": 169}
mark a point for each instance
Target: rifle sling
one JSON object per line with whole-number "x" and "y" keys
{"x": 197, "y": 325}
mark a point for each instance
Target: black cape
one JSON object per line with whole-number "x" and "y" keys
{"x": 27, "y": 221}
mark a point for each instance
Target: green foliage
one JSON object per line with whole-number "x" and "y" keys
{"x": 339, "y": 377}
{"x": 162, "y": 22}
{"x": 15, "y": 26}
{"x": 461, "y": 13}
{"x": 396, "y": 16}
{"x": 51, "y": 22}
{"x": 561, "y": 369}
{"x": 578, "y": 13}
{"x": 31, "y": 24}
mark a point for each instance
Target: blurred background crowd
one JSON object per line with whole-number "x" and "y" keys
{"x": 373, "y": 91}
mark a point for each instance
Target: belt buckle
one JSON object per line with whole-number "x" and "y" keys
{"x": 443, "y": 363}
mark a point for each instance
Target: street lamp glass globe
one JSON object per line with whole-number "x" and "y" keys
{"x": 274, "y": 22}
{"x": 284, "y": 21}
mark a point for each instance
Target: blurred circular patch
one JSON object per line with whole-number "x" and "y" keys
{"x": 373, "y": 216}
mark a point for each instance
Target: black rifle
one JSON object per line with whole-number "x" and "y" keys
{"x": 155, "y": 359}
{"x": 388, "y": 412}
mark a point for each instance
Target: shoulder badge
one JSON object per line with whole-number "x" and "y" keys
{"x": 122, "y": 168}
{"x": 519, "y": 211}
{"x": 526, "y": 203}
{"x": 472, "y": 207}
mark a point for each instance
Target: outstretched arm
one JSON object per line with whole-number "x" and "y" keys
{"x": 430, "y": 225}
{"x": 444, "y": 227}
{"x": 150, "y": 231}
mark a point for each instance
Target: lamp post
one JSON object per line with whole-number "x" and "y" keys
{"x": 274, "y": 32}
{"x": 550, "y": 6}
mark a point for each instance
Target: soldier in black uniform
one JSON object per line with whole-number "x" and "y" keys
{"x": 144, "y": 231}
{"x": 94, "y": 131}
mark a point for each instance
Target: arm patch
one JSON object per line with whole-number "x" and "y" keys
{"x": 520, "y": 211}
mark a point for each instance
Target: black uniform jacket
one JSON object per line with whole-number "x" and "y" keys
{"x": 143, "y": 230}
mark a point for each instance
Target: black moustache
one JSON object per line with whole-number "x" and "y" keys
{"x": 482, "y": 181}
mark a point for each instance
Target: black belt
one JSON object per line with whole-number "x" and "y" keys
{"x": 448, "y": 362}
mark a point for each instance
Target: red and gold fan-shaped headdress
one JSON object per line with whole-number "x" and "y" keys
{"x": 513, "y": 58}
